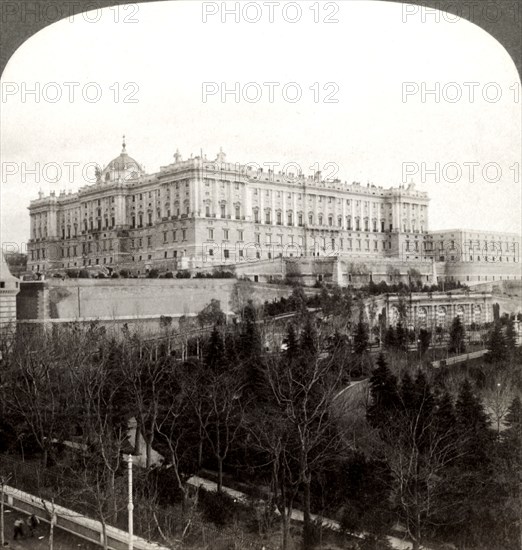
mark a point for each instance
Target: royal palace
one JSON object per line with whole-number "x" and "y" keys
{"x": 199, "y": 212}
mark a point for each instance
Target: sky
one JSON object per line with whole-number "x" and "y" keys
{"x": 159, "y": 72}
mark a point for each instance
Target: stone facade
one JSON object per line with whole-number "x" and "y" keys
{"x": 197, "y": 212}
{"x": 430, "y": 310}
{"x": 9, "y": 288}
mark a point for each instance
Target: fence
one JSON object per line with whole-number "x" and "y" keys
{"x": 73, "y": 522}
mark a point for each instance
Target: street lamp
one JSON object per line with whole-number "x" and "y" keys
{"x": 130, "y": 505}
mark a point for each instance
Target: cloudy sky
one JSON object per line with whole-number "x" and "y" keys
{"x": 149, "y": 64}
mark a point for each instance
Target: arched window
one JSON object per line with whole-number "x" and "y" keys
{"x": 357, "y": 224}
{"x": 349, "y": 223}
{"x": 366, "y": 224}
{"x": 310, "y": 219}
{"x": 422, "y": 316}
{"x": 320, "y": 219}
{"x": 460, "y": 313}
{"x": 477, "y": 314}
{"x": 279, "y": 218}
{"x": 330, "y": 221}
{"x": 339, "y": 221}
{"x": 290, "y": 218}
{"x": 441, "y": 316}
{"x": 207, "y": 211}
{"x": 238, "y": 212}
{"x": 223, "y": 211}
{"x": 300, "y": 219}
{"x": 256, "y": 216}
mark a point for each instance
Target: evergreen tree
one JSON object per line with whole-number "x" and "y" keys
{"x": 513, "y": 432}
{"x": 250, "y": 338}
{"x": 407, "y": 391}
{"x": 472, "y": 425}
{"x": 384, "y": 395}
{"x": 308, "y": 340}
{"x": 457, "y": 336}
{"x": 424, "y": 340}
{"x": 215, "y": 352}
{"x": 444, "y": 413}
{"x": 497, "y": 345}
{"x": 510, "y": 337}
{"x": 390, "y": 339}
{"x": 400, "y": 337}
{"x": 360, "y": 338}
{"x": 292, "y": 344}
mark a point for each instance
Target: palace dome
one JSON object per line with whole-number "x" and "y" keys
{"x": 122, "y": 167}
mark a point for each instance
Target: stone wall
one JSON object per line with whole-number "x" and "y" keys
{"x": 135, "y": 302}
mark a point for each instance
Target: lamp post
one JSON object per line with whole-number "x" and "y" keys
{"x": 130, "y": 505}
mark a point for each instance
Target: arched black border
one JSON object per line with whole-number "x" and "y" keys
{"x": 500, "y": 18}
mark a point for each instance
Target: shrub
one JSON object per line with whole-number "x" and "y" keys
{"x": 124, "y": 273}
{"x": 115, "y": 275}
{"x": 217, "y": 507}
{"x": 183, "y": 274}
{"x": 153, "y": 274}
{"x": 169, "y": 275}
{"x": 83, "y": 274}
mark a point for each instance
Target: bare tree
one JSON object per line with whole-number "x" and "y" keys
{"x": 302, "y": 396}
{"x": 417, "y": 454}
{"x": 176, "y": 428}
{"x": 219, "y": 406}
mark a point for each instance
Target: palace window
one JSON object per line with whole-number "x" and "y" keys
{"x": 238, "y": 212}
{"x": 210, "y": 234}
{"x": 223, "y": 211}
{"x": 225, "y": 234}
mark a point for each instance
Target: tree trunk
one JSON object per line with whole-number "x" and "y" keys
{"x": 148, "y": 452}
{"x": 51, "y": 529}
{"x": 307, "y": 519}
{"x": 220, "y": 475}
{"x": 104, "y": 534}
{"x": 114, "y": 498}
{"x": 287, "y": 541}
{"x": 2, "y": 540}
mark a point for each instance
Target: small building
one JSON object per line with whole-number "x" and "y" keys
{"x": 9, "y": 288}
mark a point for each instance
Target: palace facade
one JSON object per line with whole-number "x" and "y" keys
{"x": 197, "y": 212}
